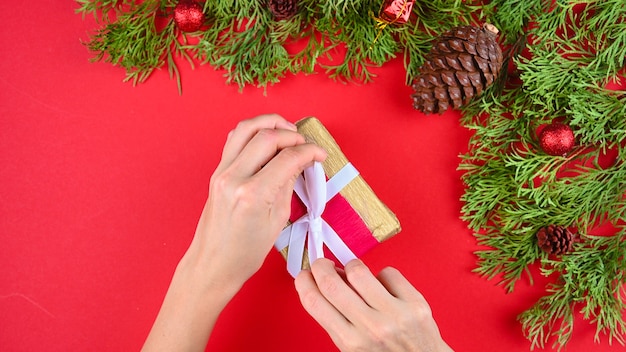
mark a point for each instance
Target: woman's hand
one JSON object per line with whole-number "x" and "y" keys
{"x": 362, "y": 312}
{"x": 250, "y": 196}
{"x": 249, "y": 203}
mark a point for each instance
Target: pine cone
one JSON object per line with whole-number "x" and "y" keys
{"x": 554, "y": 239}
{"x": 462, "y": 63}
{"x": 283, "y": 9}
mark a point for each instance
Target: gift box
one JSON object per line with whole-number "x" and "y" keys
{"x": 353, "y": 219}
{"x": 396, "y": 11}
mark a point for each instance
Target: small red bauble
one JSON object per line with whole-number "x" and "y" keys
{"x": 557, "y": 139}
{"x": 188, "y": 16}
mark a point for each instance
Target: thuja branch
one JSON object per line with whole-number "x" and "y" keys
{"x": 591, "y": 282}
{"x": 514, "y": 188}
{"x": 130, "y": 39}
{"x": 243, "y": 37}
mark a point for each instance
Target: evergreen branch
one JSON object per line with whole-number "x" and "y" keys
{"x": 513, "y": 17}
{"x": 509, "y": 256}
{"x": 133, "y": 42}
{"x": 416, "y": 44}
{"x": 592, "y": 277}
{"x": 102, "y": 6}
{"x": 365, "y": 44}
{"x": 598, "y": 117}
{"x": 352, "y": 37}
{"x": 514, "y": 189}
{"x": 607, "y": 27}
{"x": 551, "y": 316}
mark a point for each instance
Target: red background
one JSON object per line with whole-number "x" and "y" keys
{"x": 101, "y": 185}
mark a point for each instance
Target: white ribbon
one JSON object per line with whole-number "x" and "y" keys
{"x": 315, "y": 192}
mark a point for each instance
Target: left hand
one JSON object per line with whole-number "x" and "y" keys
{"x": 250, "y": 197}
{"x": 249, "y": 203}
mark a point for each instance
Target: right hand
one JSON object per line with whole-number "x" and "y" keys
{"x": 362, "y": 312}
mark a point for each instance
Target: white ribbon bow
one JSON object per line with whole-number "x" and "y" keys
{"x": 315, "y": 192}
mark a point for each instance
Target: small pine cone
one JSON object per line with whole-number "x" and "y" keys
{"x": 462, "y": 63}
{"x": 554, "y": 239}
{"x": 283, "y": 9}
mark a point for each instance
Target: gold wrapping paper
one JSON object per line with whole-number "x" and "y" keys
{"x": 381, "y": 221}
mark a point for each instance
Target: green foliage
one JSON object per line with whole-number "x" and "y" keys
{"x": 514, "y": 189}
{"x": 561, "y": 56}
{"x": 338, "y": 37}
{"x": 591, "y": 279}
{"x": 129, "y": 38}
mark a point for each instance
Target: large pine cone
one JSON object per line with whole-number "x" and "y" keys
{"x": 554, "y": 239}
{"x": 462, "y": 63}
{"x": 283, "y": 9}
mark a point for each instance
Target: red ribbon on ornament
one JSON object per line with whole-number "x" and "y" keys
{"x": 400, "y": 8}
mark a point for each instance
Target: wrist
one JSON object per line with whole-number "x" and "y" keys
{"x": 206, "y": 278}
{"x": 193, "y": 302}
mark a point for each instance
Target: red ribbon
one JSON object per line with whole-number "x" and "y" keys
{"x": 340, "y": 215}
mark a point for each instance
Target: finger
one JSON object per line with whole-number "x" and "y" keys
{"x": 368, "y": 286}
{"x": 342, "y": 273}
{"x": 319, "y": 308}
{"x": 262, "y": 148}
{"x": 246, "y": 130}
{"x": 281, "y": 209}
{"x": 398, "y": 285}
{"x": 290, "y": 162}
{"x": 277, "y": 175}
{"x": 339, "y": 294}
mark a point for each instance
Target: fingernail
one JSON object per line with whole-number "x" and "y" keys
{"x": 292, "y": 126}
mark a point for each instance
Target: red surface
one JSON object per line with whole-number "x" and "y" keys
{"x": 101, "y": 185}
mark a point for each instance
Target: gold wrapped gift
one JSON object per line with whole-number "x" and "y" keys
{"x": 381, "y": 222}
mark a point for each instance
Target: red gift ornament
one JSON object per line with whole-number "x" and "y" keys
{"x": 396, "y": 11}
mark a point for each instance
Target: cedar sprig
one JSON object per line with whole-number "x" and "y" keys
{"x": 512, "y": 17}
{"x": 131, "y": 41}
{"x": 590, "y": 282}
{"x": 129, "y": 38}
{"x": 102, "y": 6}
{"x": 340, "y": 38}
{"x": 514, "y": 189}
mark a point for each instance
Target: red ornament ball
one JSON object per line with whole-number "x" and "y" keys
{"x": 557, "y": 139}
{"x": 188, "y": 16}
